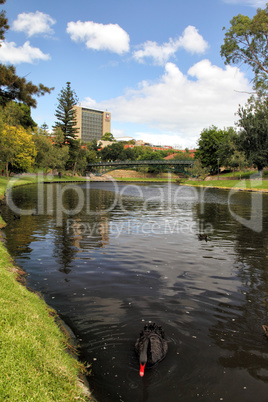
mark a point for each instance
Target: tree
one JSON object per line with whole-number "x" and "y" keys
{"x": 182, "y": 156}
{"x": 229, "y": 152}
{"x": 198, "y": 171}
{"x": 13, "y": 87}
{"x": 93, "y": 145}
{"x": 45, "y": 127}
{"x": 66, "y": 114}
{"x": 246, "y": 42}
{"x": 112, "y": 152}
{"x": 91, "y": 156}
{"x": 238, "y": 159}
{"x": 17, "y": 114}
{"x": 108, "y": 137}
{"x": 253, "y": 137}
{"x": 208, "y": 147}
{"x": 16, "y": 147}
{"x": 77, "y": 157}
{"x": 3, "y": 22}
{"x": 49, "y": 155}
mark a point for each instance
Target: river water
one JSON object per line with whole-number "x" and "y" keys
{"x": 111, "y": 257}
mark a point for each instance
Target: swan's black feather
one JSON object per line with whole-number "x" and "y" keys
{"x": 157, "y": 345}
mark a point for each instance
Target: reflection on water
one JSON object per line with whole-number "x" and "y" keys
{"x": 131, "y": 254}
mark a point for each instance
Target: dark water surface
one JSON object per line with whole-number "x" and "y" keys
{"x": 130, "y": 254}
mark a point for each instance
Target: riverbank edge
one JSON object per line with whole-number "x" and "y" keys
{"x": 261, "y": 190}
{"x": 81, "y": 387}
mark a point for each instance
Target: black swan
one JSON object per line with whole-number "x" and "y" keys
{"x": 151, "y": 346}
{"x": 203, "y": 236}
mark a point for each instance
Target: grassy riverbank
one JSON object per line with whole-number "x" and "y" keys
{"x": 230, "y": 184}
{"x": 227, "y": 181}
{"x": 146, "y": 179}
{"x": 35, "y": 365}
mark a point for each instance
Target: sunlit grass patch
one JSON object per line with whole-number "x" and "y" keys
{"x": 34, "y": 363}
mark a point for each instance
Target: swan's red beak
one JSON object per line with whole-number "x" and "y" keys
{"x": 142, "y": 367}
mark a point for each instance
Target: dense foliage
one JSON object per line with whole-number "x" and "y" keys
{"x": 253, "y": 136}
{"x": 108, "y": 137}
{"x": 208, "y": 147}
{"x": 16, "y": 147}
{"x": 17, "y": 114}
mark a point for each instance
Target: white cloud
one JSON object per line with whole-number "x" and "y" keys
{"x": 10, "y": 53}
{"x": 251, "y": 3}
{"x": 181, "y": 106}
{"x": 190, "y": 41}
{"x": 34, "y": 23}
{"x": 109, "y": 37}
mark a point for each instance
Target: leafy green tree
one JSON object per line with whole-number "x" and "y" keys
{"x": 77, "y": 161}
{"x": 129, "y": 154}
{"x": 58, "y": 158}
{"x": 108, "y": 137}
{"x": 66, "y": 114}
{"x": 17, "y": 114}
{"x": 229, "y": 149}
{"x": 198, "y": 171}
{"x": 238, "y": 160}
{"x": 58, "y": 137}
{"x": 91, "y": 156}
{"x": 112, "y": 152}
{"x": 208, "y": 147}
{"x": 246, "y": 42}
{"x": 93, "y": 145}
{"x": 16, "y": 147}
{"x": 149, "y": 155}
{"x": 253, "y": 137}
{"x": 49, "y": 153}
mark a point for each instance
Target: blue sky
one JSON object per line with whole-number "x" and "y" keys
{"x": 154, "y": 65}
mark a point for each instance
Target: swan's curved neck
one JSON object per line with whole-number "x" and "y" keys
{"x": 143, "y": 353}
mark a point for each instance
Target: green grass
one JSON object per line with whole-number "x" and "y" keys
{"x": 35, "y": 365}
{"x": 244, "y": 175}
{"x": 32, "y": 179}
{"x": 239, "y": 184}
{"x": 143, "y": 179}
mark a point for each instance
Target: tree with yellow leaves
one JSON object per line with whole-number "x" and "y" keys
{"x": 16, "y": 147}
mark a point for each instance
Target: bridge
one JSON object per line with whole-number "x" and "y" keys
{"x": 175, "y": 164}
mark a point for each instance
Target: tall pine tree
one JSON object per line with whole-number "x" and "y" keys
{"x": 65, "y": 113}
